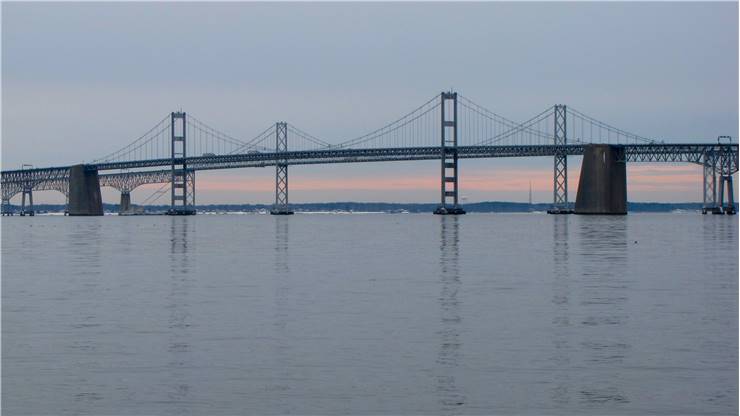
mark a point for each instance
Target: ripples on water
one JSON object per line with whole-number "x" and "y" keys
{"x": 358, "y": 314}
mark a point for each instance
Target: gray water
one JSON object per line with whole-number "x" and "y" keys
{"x": 370, "y": 314}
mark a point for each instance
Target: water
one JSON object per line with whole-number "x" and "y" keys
{"x": 370, "y": 314}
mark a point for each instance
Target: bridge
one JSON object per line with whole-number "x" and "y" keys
{"x": 448, "y": 127}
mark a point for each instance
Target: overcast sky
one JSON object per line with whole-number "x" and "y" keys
{"x": 80, "y": 80}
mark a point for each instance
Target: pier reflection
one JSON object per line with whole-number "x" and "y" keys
{"x": 281, "y": 244}
{"x": 282, "y": 351}
{"x": 603, "y": 301}
{"x": 561, "y": 389}
{"x": 86, "y": 315}
{"x": 179, "y": 339}
{"x": 719, "y": 235}
{"x": 451, "y": 400}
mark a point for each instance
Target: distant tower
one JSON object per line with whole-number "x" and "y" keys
{"x": 560, "y": 172}
{"x": 281, "y": 206}
{"x": 182, "y": 202}
{"x": 448, "y": 156}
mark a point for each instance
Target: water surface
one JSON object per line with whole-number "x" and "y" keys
{"x": 370, "y": 314}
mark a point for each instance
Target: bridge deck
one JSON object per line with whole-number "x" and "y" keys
{"x": 654, "y": 152}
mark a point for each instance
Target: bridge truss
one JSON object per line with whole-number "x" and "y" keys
{"x": 124, "y": 182}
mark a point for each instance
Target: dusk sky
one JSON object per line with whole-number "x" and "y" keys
{"x": 80, "y": 80}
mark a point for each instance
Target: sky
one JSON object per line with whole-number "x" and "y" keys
{"x": 80, "y": 80}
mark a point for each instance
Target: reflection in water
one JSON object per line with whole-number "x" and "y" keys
{"x": 604, "y": 288}
{"x": 719, "y": 236}
{"x": 281, "y": 244}
{"x": 718, "y": 292}
{"x": 450, "y": 397}
{"x": 85, "y": 240}
{"x": 561, "y": 315}
{"x": 281, "y": 344}
{"x": 188, "y": 320}
{"x": 179, "y": 322}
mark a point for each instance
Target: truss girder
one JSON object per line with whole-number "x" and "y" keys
{"x": 123, "y": 182}
{"x": 128, "y": 181}
{"x": 692, "y": 153}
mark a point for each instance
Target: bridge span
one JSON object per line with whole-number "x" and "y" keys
{"x": 448, "y": 127}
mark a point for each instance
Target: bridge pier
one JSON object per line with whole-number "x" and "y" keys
{"x": 717, "y": 164}
{"x": 125, "y": 206}
{"x": 728, "y": 209}
{"x": 448, "y": 157}
{"x": 709, "y": 188}
{"x": 725, "y": 178}
{"x": 27, "y": 190}
{"x": 84, "y": 192}
{"x": 5, "y": 207}
{"x": 602, "y": 189}
{"x": 281, "y": 206}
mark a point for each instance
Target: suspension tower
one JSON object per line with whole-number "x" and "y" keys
{"x": 560, "y": 169}
{"x": 281, "y": 171}
{"x": 448, "y": 156}
{"x": 181, "y": 202}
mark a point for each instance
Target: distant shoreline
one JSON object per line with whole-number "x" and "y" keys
{"x": 387, "y": 207}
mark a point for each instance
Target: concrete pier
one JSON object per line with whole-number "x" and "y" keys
{"x": 84, "y": 192}
{"x": 125, "y": 205}
{"x": 602, "y": 188}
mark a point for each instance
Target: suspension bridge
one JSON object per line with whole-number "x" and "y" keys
{"x": 447, "y": 127}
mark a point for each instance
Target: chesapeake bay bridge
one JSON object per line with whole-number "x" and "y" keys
{"x": 448, "y": 127}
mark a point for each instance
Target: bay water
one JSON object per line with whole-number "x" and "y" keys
{"x": 370, "y": 314}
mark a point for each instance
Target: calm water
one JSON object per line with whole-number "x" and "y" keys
{"x": 381, "y": 314}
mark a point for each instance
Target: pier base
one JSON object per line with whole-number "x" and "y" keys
{"x": 180, "y": 211}
{"x": 84, "y": 192}
{"x": 559, "y": 211}
{"x": 449, "y": 211}
{"x": 281, "y": 212}
{"x": 27, "y": 210}
{"x": 602, "y": 189}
